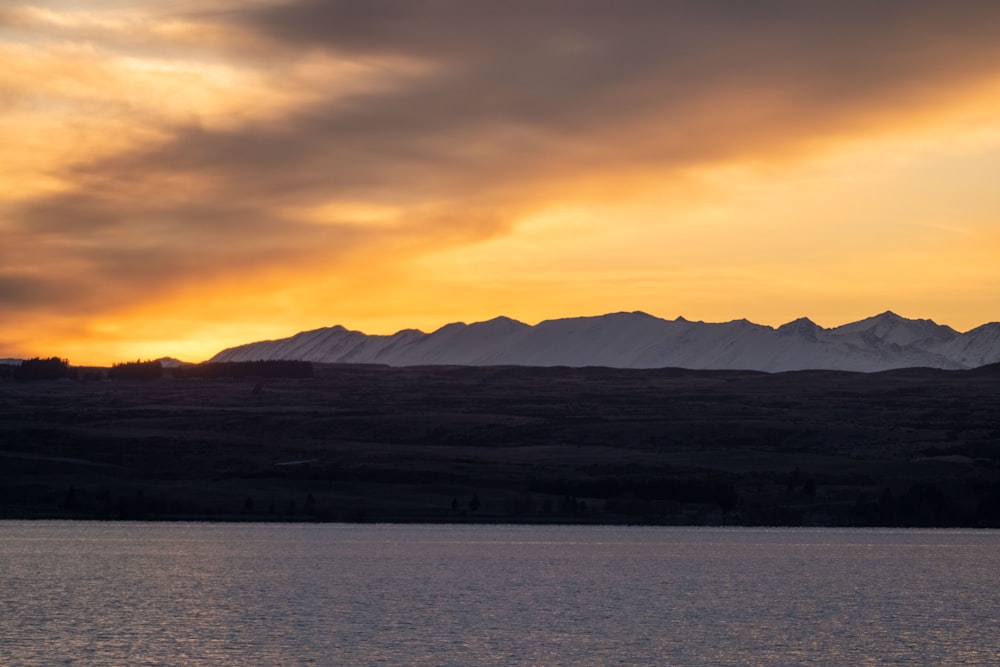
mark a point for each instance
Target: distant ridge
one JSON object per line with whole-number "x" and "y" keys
{"x": 639, "y": 340}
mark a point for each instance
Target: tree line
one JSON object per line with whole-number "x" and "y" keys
{"x": 55, "y": 368}
{"x": 41, "y": 369}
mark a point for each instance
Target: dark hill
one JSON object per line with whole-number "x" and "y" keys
{"x": 374, "y": 443}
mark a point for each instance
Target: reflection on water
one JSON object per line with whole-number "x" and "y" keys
{"x": 229, "y": 594}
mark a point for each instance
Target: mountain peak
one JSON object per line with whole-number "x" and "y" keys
{"x": 171, "y": 362}
{"x": 891, "y": 318}
{"x": 803, "y": 327}
{"x": 640, "y": 340}
{"x": 501, "y": 322}
{"x": 890, "y": 328}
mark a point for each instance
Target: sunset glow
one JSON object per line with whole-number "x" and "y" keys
{"x": 179, "y": 177}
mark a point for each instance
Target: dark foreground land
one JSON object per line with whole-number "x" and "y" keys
{"x": 915, "y": 447}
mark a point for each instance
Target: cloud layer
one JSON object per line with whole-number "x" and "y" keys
{"x": 160, "y": 151}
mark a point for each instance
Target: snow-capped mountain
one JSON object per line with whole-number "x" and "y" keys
{"x": 638, "y": 340}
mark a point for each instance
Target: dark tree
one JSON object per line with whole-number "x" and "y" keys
{"x": 42, "y": 369}
{"x": 726, "y": 497}
{"x": 136, "y": 370}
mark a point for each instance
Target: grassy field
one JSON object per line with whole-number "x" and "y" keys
{"x": 510, "y": 444}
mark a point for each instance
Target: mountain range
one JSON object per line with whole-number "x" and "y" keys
{"x": 638, "y": 340}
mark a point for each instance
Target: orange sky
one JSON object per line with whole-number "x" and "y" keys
{"x": 177, "y": 177}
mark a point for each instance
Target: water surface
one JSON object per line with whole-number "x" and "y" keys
{"x": 241, "y": 594}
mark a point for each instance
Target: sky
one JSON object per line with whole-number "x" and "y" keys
{"x": 181, "y": 176}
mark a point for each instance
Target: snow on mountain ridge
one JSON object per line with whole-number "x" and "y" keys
{"x": 801, "y": 327}
{"x": 640, "y": 340}
{"x": 890, "y": 328}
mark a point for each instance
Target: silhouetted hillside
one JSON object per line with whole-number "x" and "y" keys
{"x": 916, "y": 447}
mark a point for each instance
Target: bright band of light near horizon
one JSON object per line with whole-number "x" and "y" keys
{"x": 177, "y": 177}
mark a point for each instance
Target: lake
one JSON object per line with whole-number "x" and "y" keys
{"x": 81, "y": 593}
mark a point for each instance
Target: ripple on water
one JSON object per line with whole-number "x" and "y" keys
{"x": 237, "y": 594}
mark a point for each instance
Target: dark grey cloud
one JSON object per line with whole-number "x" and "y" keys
{"x": 570, "y": 73}
{"x": 26, "y": 291}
